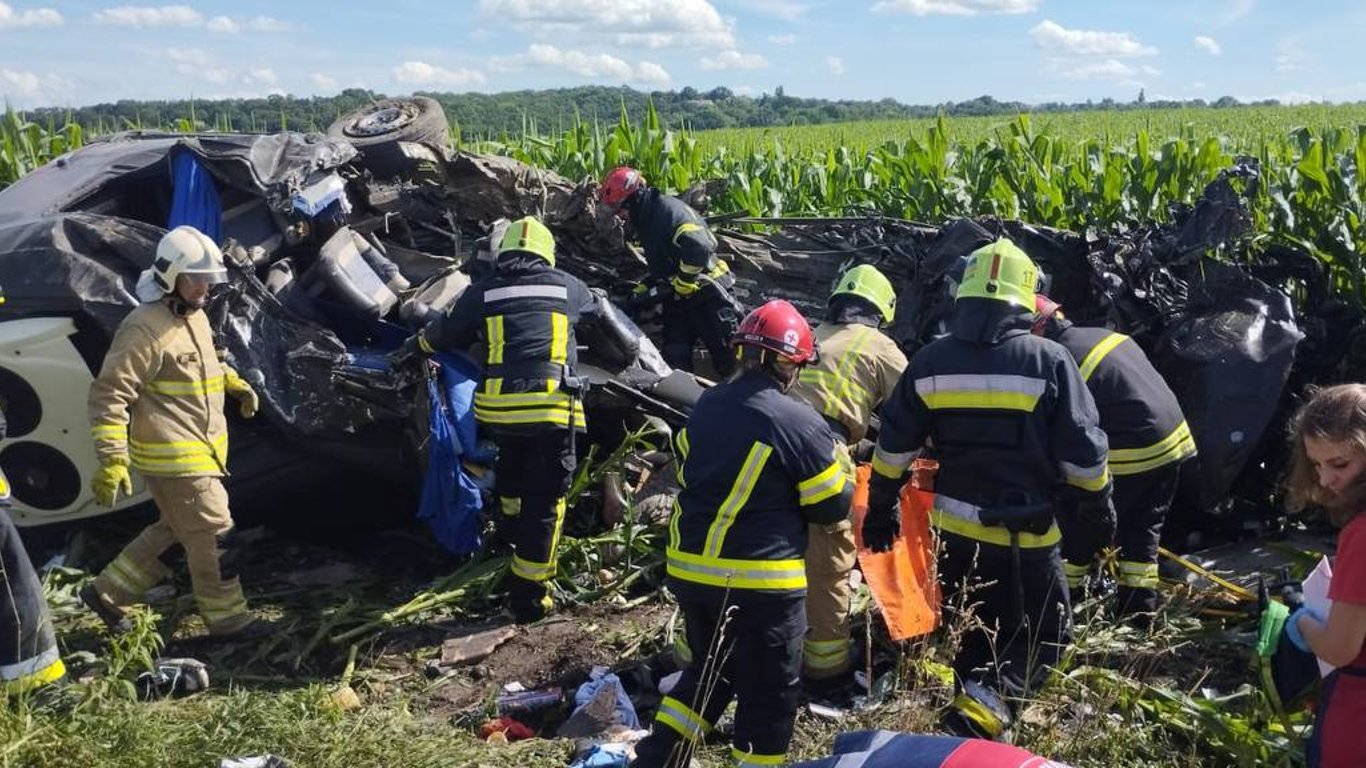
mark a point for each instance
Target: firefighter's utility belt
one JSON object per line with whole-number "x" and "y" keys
{"x": 525, "y": 371}
{"x": 1024, "y": 516}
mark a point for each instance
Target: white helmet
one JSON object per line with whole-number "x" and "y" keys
{"x": 182, "y": 251}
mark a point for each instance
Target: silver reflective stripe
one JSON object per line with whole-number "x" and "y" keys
{"x": 991, "y": 382}
{"x": 959, "y": 509}
{"x": 29, "y": 666}
{"x": 855, "y": 760}
{"x": 1083, "y": 473}
{"x": 882, "y": 739}
{"x": 527, "y": 292}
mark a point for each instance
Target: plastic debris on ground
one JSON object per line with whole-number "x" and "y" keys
{"x": 170, "y": 677}
{"x": 511, "y": 729}
{"x": 516, "y": 698}
{"x": 259, "y": 761}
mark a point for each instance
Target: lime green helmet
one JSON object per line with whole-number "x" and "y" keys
{"x": 528, "y": 235}
{"x": 1000, "y": 271}
{"x": 866, "y": 282}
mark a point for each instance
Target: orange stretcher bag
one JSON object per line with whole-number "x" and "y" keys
{"x": 904, "y": 581}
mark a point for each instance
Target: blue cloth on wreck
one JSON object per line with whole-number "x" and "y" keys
{"x": 626, "y": 711}
{"x": 450, "y": 498}
{"x": 194, "y": 199}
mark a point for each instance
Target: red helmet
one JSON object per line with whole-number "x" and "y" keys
{"x": 1044, "y": 309}
{"x": 778, "y": 326}
{"x": 619, "y": 185}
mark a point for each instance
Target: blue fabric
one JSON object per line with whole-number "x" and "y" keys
{"x": 450, "y": 499}
{"x": 626, "y": 711}
{"x": 194, "y": 201}
{"x": 887, "y": 749}
{"x": 603, "y": 756}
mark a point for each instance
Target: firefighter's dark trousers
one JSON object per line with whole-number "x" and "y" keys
{"x": 750, "y": 651}
{"x": 707, "y": 315}
{"x": 1018, "y": 621}
{"x": 1141, "y": 505}
{"x": 534, "y": 472}
{"x": 28, "y": 646}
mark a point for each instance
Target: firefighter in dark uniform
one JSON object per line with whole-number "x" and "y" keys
{"x": 528, "y": 401}
{"x": 1008, "y": 418}
{"x": 29, "y": 657}
{"x": 680, "y": 253}
{"x": 756, "y": 468}
{"x": 1149, "y": 439}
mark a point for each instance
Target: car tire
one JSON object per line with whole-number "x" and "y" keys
{"x": 378, "y": 129}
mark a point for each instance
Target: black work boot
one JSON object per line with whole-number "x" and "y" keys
{"x": 113, "y": 616}
{"x": 528, "y": 601}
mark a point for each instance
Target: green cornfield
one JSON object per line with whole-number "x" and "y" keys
{"x": 1099, "y": 171}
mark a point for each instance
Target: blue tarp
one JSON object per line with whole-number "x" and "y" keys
{"x": 450, "y": 499}
{"x": 195, "y": 198}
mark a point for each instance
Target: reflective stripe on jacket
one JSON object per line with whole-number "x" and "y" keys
{"x": 1138, "y": 411}
{"x": 525, "y": 314}
{"x": 158, "y": 400}
{"x": 859, "y": 367}
{"x": 1006, "y": 412}
{"x": 757, "y": 467}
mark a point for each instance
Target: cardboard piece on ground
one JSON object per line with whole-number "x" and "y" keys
{"x": 476, "y": 647}
{"x": 1315, "y": 589}
{"x": 903, "y": 581}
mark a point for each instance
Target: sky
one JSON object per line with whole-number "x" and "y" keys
{"x": 55, "y": 53}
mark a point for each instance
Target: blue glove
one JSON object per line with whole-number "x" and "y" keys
{"x": 1292, "y": 627}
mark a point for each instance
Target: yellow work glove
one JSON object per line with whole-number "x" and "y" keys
{"x": 682, "y": 286}
{"x": 110, "y": 478}
{"x": 240, "y": 389}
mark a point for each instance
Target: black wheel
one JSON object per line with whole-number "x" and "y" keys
{"x": 416, "y": 118}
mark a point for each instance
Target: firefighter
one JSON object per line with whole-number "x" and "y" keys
{"x": 680, "y": 254}
{"x": 157, "y": 407}
{"x": 29, "y": 658}
{"x": 757, "y": 468}
{"x": 1008, "y": 418}
{"x": 858, "y": 368}
{"x": 529, "y": 399}
{"x": 1149, "y": 439}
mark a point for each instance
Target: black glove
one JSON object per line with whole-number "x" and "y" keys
{"x": 1095, "y": 521}
{"x": 882, "y": 523}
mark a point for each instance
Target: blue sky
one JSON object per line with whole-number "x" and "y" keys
{"x": 916, "y": 51}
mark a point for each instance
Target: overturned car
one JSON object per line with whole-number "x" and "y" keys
{"x": 340, "y": 245}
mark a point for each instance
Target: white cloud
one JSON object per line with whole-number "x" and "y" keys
{"x": 1238, "y": 9}
{"x": 782, "y": 39}
{"x": 195, "y": 62}
{"x": 23, "y": 83}
{"x": 836, "y": 65}
{"x": 634, "y": 23}
{"x": 734, "y": 60}
{"x": 1058, "y": 40}
{"x": 1208, "y": 45}
{"x": 422, "y": 73}
{"x": 594, "y": 66}
{"x": 1290, "y": 56}
{"x": 955, "y": 7}
{"x": 1198, "y": 85}
{"x": 149, "y": 16}
{"x": 33, "y": 17}
{"x": 267, "y": 24}
{"x": 1106, "y": 69}
{"x": 778, "y": 9}
{"x": 652, "y": 73}
{"x": 323, "y": 82}
{"x": 224, "y": 25}
{"x": 261, "y": 75}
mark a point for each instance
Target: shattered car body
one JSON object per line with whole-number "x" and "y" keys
{"x": 339, "y": 246}
{"x": 309, "y": 313}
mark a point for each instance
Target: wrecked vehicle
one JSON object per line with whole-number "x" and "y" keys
{"x": 330, "y": 268}
{"x": 340, "y": 245}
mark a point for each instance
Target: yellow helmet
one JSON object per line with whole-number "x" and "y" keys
{"x": 528, "y": 235}
{"x": 866, "y": 282}
{"x": 1003, "y": 272}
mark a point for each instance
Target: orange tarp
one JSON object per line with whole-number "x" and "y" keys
{"x": 903, "y": 580}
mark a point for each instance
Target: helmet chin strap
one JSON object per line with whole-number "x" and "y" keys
{"x": 182, "y": 307}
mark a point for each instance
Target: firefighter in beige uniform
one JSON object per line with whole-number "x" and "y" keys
{"x": 157, "y": 406}
{"x": 858, "y": 369}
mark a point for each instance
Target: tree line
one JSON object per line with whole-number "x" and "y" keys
{"x": 511, "y": 113}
